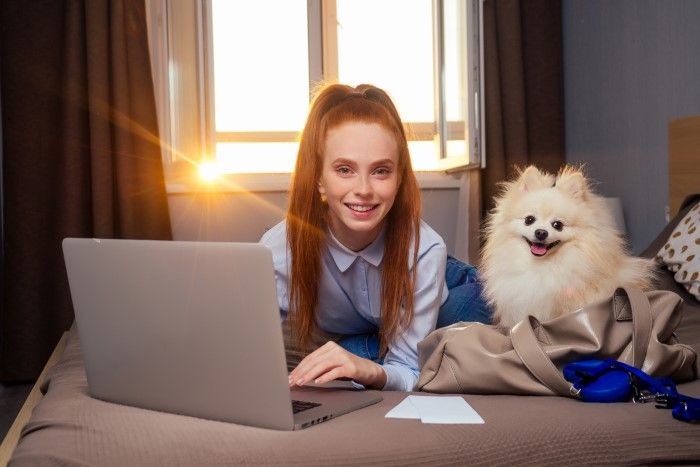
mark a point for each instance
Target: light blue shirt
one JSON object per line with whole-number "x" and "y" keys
{"x": 349, "y": 300}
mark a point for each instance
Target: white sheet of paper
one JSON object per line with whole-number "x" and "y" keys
{"x": 404, "y": 409}
{"x": 436, "y": 409}
{"x": 445, "y": 409}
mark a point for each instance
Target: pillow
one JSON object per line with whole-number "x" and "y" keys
{"x": 681, "y": 253}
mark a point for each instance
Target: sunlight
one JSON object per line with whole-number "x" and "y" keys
{"x": 261, "y": 72}
{"x": 396, "y": 55}
{"x": 256, "y": 157}
{"x": 209, "y": 171}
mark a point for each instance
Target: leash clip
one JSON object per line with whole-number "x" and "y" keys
{"x": 614, "y": 381}
{"x": 668, "y": 401}
{"x": 645, "y": 396}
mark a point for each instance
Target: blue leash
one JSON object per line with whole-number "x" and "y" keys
{"x": 613, "y": 381}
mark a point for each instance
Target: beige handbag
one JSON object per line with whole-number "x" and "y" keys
{"x": 634, "y": 327}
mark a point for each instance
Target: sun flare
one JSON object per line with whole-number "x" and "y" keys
{"x": 209, "y": 171}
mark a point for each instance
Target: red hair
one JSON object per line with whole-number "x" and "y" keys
{"x": 334, "y": 105}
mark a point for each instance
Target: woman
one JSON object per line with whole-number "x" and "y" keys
{"x": 353, "y": 256}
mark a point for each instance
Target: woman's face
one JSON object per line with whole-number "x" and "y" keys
{"x": 360, "y": 180}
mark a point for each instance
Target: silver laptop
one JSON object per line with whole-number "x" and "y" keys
{"x": 191, "y": 328}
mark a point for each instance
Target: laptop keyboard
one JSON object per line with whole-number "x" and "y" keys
{"x": 300, "y": 406}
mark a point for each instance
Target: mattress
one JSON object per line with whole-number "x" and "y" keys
{"x": 68, "y": 427}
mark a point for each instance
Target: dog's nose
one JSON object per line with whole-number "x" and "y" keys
{"x": 541, "y": 234}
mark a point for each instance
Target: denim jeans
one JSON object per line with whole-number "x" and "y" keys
{"x": 464, "y": 303}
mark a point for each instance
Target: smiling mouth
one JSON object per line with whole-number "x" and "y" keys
{"x": 540, "y": 249}
{"x": 362, "y": 207}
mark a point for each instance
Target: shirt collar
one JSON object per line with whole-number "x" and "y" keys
{"x": 344, "y": 257}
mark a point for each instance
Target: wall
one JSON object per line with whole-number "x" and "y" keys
{"x": 244, "y": 217}
{"x": 630, "y": 66}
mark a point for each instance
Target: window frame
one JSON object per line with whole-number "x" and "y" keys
{"x": 182, "y": 62}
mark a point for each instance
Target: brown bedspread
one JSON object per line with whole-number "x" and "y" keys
{"x": 68, "y": 427}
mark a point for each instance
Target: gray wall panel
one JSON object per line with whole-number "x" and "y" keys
{"x": 630, "y": 66}
{"x": 243, "y": 217}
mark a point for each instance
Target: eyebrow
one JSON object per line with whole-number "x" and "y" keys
{"x": 384, "y": 162}
{"x": 342, "y": 160}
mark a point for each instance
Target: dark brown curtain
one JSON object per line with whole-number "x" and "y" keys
{"x": 81, "y": 156}
{"x": 524, "y": 89}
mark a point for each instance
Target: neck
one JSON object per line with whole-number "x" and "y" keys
{"x": 354, "y": 241}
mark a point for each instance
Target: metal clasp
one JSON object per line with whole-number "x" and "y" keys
{"x": 646, "y": 396}
{"x": 574, "y": 391}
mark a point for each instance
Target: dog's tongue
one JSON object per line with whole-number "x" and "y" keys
{"x": 538, "y": 249}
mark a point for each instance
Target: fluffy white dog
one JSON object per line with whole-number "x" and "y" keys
{"x": 552, "y": 247}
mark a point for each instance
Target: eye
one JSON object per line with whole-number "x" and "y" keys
{"x": 558, "y": 225}
{"x": 382, "y": 171}
{"x": 529, "y": 220}
{"x": 343, "y": 170}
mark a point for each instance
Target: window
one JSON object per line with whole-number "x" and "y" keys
{"x": 234, "y": 78}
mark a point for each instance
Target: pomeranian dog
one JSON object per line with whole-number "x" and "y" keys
{"x": 552, "y": 247}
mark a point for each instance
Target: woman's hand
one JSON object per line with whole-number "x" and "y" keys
{"x": 331, "y": 361}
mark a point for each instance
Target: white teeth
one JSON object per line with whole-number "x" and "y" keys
{"x": 359, "y": 208}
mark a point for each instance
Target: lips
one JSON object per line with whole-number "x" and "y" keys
{"x": 362, "y": 207}
{"x": 361, "y": 211}
{"x": 540, "y": 249}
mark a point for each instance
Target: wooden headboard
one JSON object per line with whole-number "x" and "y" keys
{"x": 683, "y": 160}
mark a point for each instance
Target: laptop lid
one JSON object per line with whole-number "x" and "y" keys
{"x": 190, "y": 328}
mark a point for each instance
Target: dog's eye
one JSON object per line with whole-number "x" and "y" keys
{"x": 558, "y": 225}
{"x": 529, "y": 220}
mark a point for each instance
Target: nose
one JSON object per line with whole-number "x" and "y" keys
{"x": 363, "y": 186}
{"x": 541, "y": 234}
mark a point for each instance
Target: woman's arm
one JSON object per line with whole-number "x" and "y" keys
{"x": 276, "y": 240}
{"x": 401, "y": 360}
{"x": 400, "y": 368}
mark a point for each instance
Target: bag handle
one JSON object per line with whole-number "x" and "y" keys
{"x": 641, "y": 322}
{"x": 540, "y": 365}
{"x": 536, "y": 360}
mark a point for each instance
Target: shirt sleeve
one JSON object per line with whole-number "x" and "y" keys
{"x": 401, "y": 360}
{"x": 276, "y": 240}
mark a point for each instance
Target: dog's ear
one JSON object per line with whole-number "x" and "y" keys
{"x": 532, "y": 179}
{"x": 572, "y": 183}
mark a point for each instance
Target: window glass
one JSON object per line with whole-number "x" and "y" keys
{"x": 455, "y": 61}
{"x": 238, "y": 76}
{"x": 389, "y": 43}
{"x": 261, "y": 65}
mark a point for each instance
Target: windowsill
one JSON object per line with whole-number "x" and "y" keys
{"x": 270, "y": 182}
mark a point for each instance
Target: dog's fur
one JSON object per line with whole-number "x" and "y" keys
{"x": 562, "y": 270}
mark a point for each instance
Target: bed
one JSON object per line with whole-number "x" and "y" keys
{"x": 68, "y": 427}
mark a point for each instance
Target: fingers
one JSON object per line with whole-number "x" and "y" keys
{"x": 302, "y": 367}
{"x": 331, "y": 361}
{"x": 335, "y": 373}
{"x": 323, "y": 372}
{"x": 323, "y": 359}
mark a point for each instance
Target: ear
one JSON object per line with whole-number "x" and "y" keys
{"x": 532, "y": 179}
{"x": 573, "y": 184}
